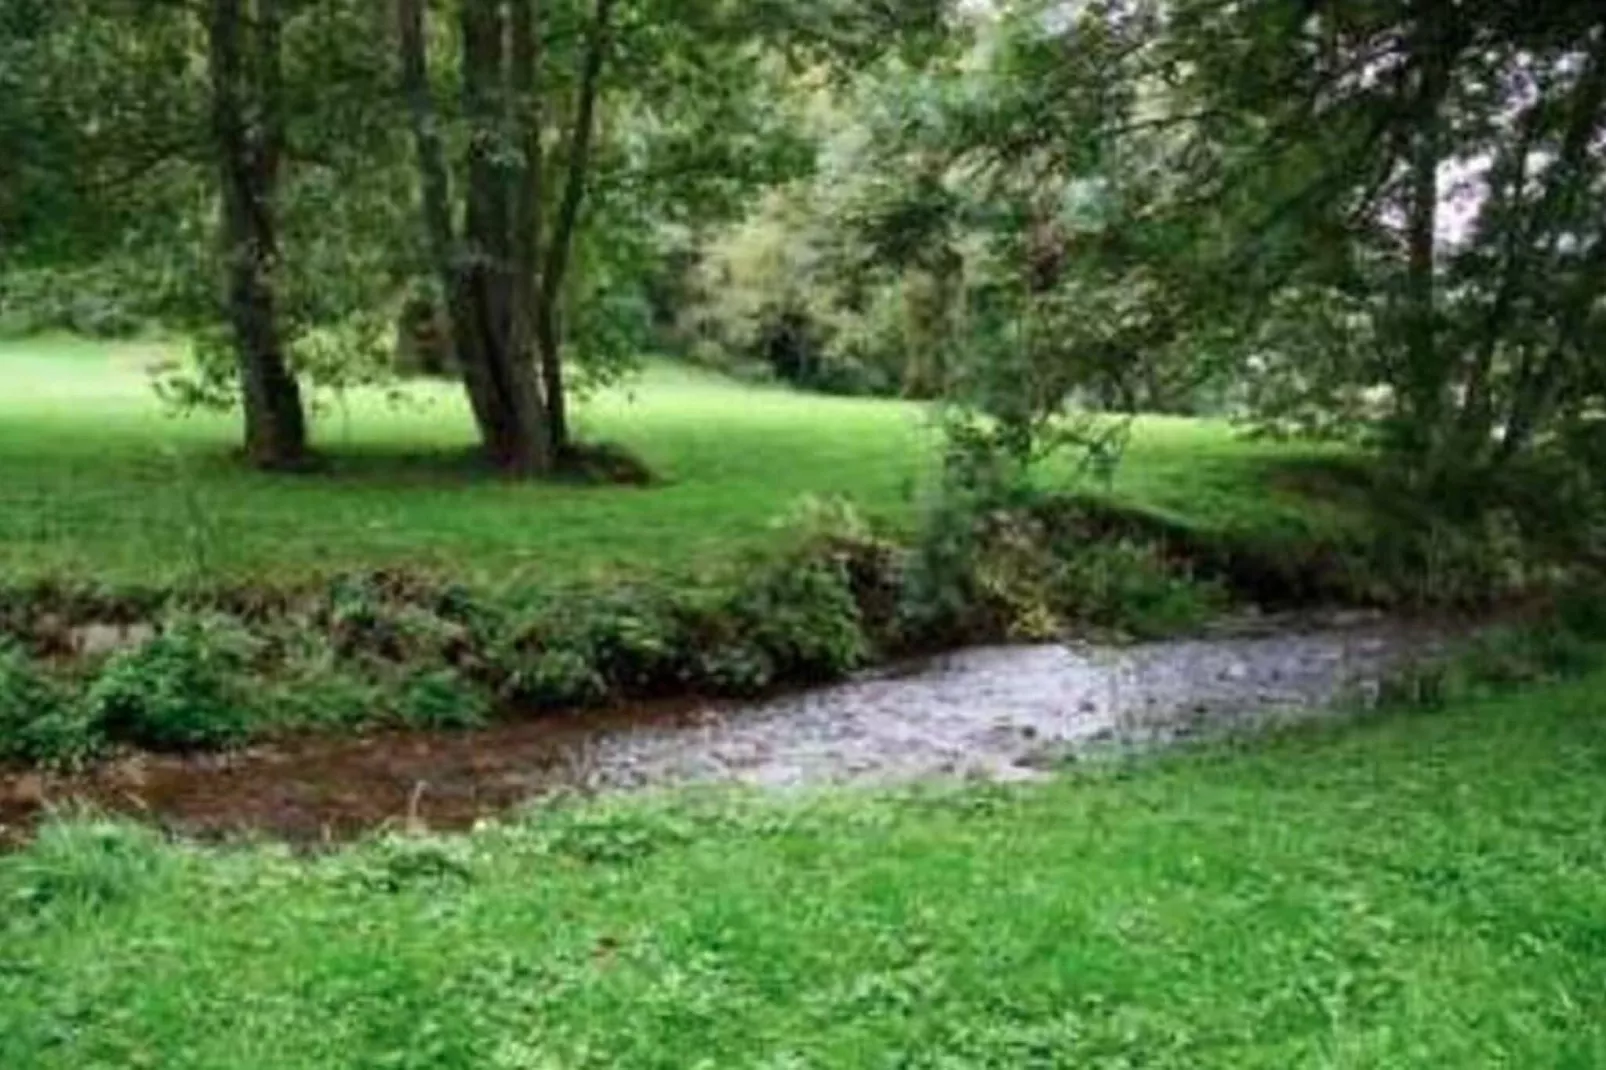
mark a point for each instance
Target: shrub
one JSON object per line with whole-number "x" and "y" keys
{"x": 382, "y": 616}
{"x": 557, "y": 678}
{"x": 582, "y": 649}
{"x": 38, "y": 724}
{"x": 802, "y": 615}
{"x": 443, "y": 699}
{"x": 632, "y": 641}
{"x": 184, "y": 689}
{"x": 319, "y": 697}
{"x": 939, "y": 598}
{"x": 736, "y": 668}
{"x": 1010, "y": 560}
{"x": 1129, "y": 586}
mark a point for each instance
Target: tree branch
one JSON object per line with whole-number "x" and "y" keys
{"x": 528, "y": 118}
{"x": 579, "y": 159}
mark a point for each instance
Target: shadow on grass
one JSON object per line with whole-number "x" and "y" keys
{"x": 396, "y": 466}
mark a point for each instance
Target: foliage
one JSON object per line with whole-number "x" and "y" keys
{"x": 792, "y": 619}
{"x": 120, "y": 110}
{"x": 1133, "y": 212}
{"x": 801, "y": 613}
{"x": 1374, "y": 217}
{"x": 183, "y": 689}
{"x": 719, "y": 580}
{"x": 39, "y": 722}
{"x": 1024, "y": 568}
{"x": 443, "y": 699}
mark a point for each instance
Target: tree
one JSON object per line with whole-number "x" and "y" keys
{"x": 216, "y": 166}
{"x": 1437, "y": 170}
{"x": 246, "y": 67}
{"x": 503, "y": 269}
{"x": 504, "y": 192}
{"x": 1380, "y": 220}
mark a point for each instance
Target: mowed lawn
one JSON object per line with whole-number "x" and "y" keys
{"x": 97, "y": 482}
{"x": 1425, "y": 890}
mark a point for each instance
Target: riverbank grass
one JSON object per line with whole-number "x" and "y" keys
{"x": 1423, "y": 890}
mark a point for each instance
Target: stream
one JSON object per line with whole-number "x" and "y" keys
{"x": 996, "y": 713}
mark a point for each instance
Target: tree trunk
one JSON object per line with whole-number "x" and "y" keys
{"x": 1564, "y": 205}
{"x": 503, "y": 295}
{"x": 517, "y": 435}
{"x": 549, "y": 336}
{"x": 1425, "y": 380}
{"x": 479, "y": 273}
{"x": 248, "y": 128}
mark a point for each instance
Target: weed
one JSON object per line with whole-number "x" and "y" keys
{"x": 443, "y": 699}
{"x": 612, "y": 833}
{"x": 1493, "y": 663}
{"x": 802, "y": 615}
{"x": 398, "y": 862}
{"x": 39, "y": 722}
{"x": 184, "y": 689}
{"x": 556, "y": 679}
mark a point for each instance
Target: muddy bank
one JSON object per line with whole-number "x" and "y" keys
{"x": 1002, "y": 712}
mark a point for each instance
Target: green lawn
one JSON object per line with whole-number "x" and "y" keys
{"x": 1419, "y": 891}
{"x": 96, "y": 482}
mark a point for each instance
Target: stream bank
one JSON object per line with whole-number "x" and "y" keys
{"x": 995, "y": 713}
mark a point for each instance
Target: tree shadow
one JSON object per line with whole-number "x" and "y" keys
{"x": 379, "y": 465}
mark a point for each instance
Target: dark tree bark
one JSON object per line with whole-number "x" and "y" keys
{"x": 479, "y": 270}
{"x": 248, "y": 128}
{"x": 1427, "y": 384}
{"x": 504, "y": 274}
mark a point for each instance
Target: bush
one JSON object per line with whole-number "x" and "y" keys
{"x": 1009, "y": 560}
{"x": 632, "y": 641}
{"x": 556, "y": 678}
{"x": 396, "y": 619}
{"x": 803, "y": 616}
{"x": 323, "y": 697}
{"x": 1130, "y": 587}
{"x": 184, "y": 689}
{"x": 38, "y": 723}
{"x": 736, "y": 668}
{"x": 443, "y": 699}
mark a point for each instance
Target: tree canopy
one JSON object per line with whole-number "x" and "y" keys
{"x": 1380, "y": 221}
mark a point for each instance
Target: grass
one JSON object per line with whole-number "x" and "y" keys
{"x": 97, "y": 483}
{"x": 1416, "y": 891}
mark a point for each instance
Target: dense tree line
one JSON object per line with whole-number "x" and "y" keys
{"x": 1381, "y": 221}
{"x": 247, "y": 168}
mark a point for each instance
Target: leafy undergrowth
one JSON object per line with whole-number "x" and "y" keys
{"x": 389, "y": 649}
{"x": 1421, "y": 889}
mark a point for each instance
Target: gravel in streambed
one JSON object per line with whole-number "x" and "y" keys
{"x": 1010, "y": 712}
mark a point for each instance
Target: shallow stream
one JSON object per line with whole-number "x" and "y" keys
{"x": 996, "y": 713}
